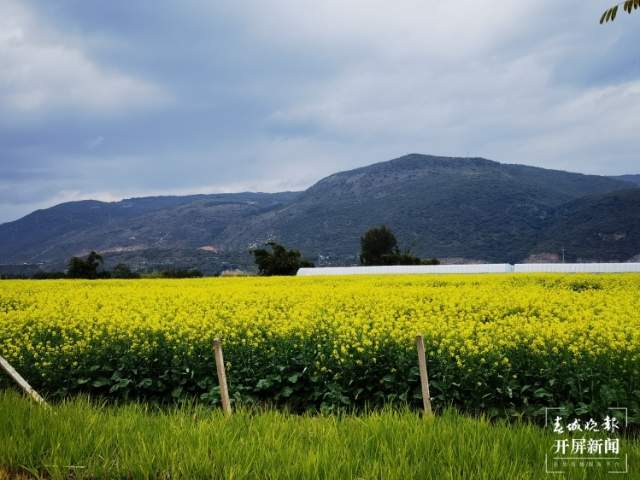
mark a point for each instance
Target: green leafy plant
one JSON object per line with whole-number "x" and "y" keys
{"x": 610, "y": 14}
{"x": 279, "y": 261}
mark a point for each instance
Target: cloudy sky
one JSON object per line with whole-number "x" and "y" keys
{"x": 128, "y": 98}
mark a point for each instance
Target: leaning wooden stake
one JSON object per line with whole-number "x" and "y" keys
{"x": 6, "y": 366}
{"x": 424, "y": 379}
{"x": 222, "y": 377}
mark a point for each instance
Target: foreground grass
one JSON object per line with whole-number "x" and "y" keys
{"x": 77, "y": 439}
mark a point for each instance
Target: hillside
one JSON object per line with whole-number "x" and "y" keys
{"x": 465, "y": 208}
{"x": 446, "y": 207}
{"x": 50, "y": 236}
{"x": 635, "y": 179}
{"x": 608, "y": 224}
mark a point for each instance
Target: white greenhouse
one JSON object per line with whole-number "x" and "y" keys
{"x": 475, "y": 268}
{"x": 576, "y": 267}
{"x": 408, "y": 269}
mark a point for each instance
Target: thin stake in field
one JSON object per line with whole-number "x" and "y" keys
{"x": 222, "y": 377}
{"x": 424, "y": 378}
{"x": 6, "y": 366}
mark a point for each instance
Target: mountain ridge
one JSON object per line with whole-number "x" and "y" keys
{"x": 635, "y": 179}
{"x": 469, "y": 208}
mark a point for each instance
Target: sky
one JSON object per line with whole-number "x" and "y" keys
{"x": 117, "y": 99}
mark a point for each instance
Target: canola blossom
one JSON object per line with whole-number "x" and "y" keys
{"x": 503, "y": 345}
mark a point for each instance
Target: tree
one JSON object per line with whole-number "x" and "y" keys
{"x": 85, "y": 268}
{"x": 431, "y": 261}
{"x": 279, "y": 261}
{"x": 611, "y": 13}
{"x": 379, "y": 246}
{"x": 404, "y": 258}
{"x": 122, "y": 270}
{"x": 181, "y": 273}
{"x": 375, "y": 244}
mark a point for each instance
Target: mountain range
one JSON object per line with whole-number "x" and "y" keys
{"x": 456, "y": 209}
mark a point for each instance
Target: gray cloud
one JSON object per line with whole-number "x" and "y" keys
{"x": 115, "y": 99}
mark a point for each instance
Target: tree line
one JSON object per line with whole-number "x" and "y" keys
{"x": 91, "y": 267}
{"x": 378, "y": 246}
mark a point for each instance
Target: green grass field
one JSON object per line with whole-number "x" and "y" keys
{"x": 80, "y": 439}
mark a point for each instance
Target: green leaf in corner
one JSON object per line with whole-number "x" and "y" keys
{"x": 604, "y": 15}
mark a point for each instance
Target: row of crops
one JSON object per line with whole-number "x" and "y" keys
{"x": 500, "y": 345}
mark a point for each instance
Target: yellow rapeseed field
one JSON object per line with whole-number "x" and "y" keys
{"x": 502, "y": 344}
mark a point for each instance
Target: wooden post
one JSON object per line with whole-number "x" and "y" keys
{"x": 424, "y": 378}
{"x": 222, "y": 377}
{"x": 6, "y": 366}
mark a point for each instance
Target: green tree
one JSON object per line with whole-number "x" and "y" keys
{"x": 181, "y": 273}
{"x": 431, "y": 261}
{"x": 85, "y": 267}
{"x": 377, "y": 243}
{"x": 379, "y": 246}
{"x": 404, "y": 258}
{"x": 122, "y": 270}
{"x": 610, "y": 14}
{"x": 279, "y": 261}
